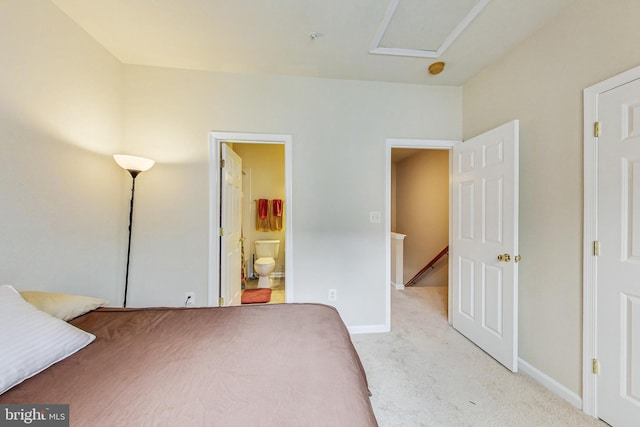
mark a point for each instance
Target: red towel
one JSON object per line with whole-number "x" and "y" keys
{"x": 263, "y": 208}
{"x": 277, "y": 207}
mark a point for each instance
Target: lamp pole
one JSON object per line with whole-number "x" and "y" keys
{"x": 134, "y": 165}
{"x": 134, "y": 174}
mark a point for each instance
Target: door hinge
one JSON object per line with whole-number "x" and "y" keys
{"x": 221, "y": 231}
{"x": 221, "y": 163}
{"x": 596, "y": 129}
{"x": 221, "y": 302}
{"x": 596, "y": 366}
{"x": 596, "y": 248}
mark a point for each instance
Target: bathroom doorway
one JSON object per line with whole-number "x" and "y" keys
{"x": 399, "y": 150}
{"x": 263, "y": 189}
{"x": 266, "y": 179}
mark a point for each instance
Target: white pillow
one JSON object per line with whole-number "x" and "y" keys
{"x": 31, "y": 339}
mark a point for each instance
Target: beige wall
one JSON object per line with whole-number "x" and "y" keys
{"x": 541, "y": 83}
{"x": 263, "y": 178}
{"x": 339, "y": 130}
{"x": 63, "y": 199}
{"x": 422, "y": 212}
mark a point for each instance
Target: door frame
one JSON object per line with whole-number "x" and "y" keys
{"x": 590, "y": 234}
{"x": 433, "y": 144}
{"x": 215, "y": 140}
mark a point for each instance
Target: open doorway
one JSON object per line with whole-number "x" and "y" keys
{"x": 420, "y": 212}
{"x": 263, "y": 190}
{"x": 225, "y": 288}
{"x": 403, "y": 149}
{"x": 483, "y": 238}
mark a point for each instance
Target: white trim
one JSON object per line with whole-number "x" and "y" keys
{"x": 396, "y": 51}
{"x": 421, "y": 53}
{"x": 420, "y": 143}
{"x": 450, "y": 269}
{"x": 589, "y": 273}
{"x": 215, "y": 139}
{"x": 375, "y": 44}
{"x": 550, "y": 383}
{"x": 390, "y": 143}
{"x": 367, "y": 329}
{"x": 462, "y": 25}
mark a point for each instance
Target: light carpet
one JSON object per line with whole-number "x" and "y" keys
{"x": 424, "y": 373}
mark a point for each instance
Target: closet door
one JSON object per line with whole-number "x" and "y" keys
{"x": 618, "y": 260}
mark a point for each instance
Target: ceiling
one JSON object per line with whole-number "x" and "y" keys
{"x": 378, "y": 40}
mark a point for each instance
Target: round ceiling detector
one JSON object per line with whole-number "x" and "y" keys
{"x": 436, "y": 68}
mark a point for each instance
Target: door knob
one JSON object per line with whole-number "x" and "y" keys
{"x": 505, "y": 257}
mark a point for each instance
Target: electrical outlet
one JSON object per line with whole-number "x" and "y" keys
{"x": 189, "y": 299}
{"x": 333, "y": 294}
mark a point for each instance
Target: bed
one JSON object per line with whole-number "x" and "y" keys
{"x": 261, "y": 365}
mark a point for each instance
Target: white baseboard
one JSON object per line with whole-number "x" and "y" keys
{"x": 550, "y": 383}
{"x": 367, "y": 329}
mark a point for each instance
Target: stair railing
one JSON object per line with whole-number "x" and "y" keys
{"x": 429, "y": 265}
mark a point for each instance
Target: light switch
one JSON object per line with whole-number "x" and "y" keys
{"x": 375, "y": 217}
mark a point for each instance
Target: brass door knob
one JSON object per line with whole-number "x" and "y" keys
{"x": 505, "y": 257}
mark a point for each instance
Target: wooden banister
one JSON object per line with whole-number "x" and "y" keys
{"x": 429, "y": 265}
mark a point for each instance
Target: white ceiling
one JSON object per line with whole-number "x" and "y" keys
{"x": 273, "y": 36}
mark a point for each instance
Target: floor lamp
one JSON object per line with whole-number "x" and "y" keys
{"x": 134, "y": 165}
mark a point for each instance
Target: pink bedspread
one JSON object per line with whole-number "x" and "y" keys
{"x": 268, "y": 365}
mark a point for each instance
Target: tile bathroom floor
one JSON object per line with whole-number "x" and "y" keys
{"x": 277, "y": 289}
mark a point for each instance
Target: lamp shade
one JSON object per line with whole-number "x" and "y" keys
{"x": 133, "y": 163}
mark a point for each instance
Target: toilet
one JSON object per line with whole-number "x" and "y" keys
{"x": 265, "y": 264}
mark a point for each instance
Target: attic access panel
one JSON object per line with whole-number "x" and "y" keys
{"x": 424, "y": 28}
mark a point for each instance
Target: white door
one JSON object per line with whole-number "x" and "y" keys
{"x": 618, "y": 265}
{"x": 231, "y": 226}
{"x": 484, "y": 242}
